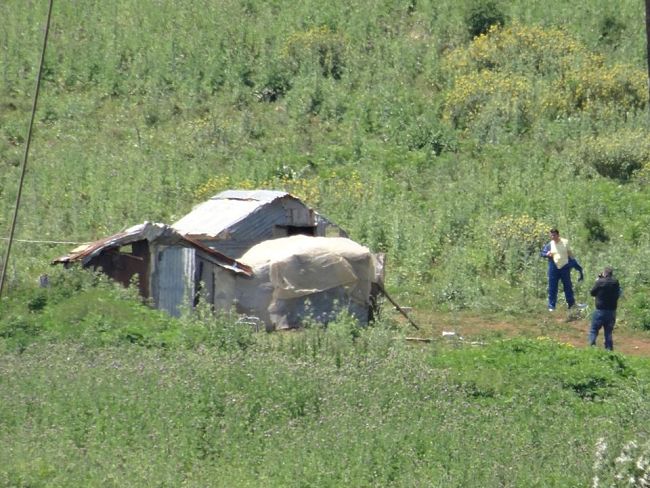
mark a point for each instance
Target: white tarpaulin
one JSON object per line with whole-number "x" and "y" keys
{"x": 302, "y": 277}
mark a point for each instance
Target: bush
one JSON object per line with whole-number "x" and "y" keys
{"x": 592, "y": 86}
{"x": 595, "y": 230}
{"x": 482, "y": 16}
{"x": 522, "y": 49}
{"x": 616, "y": 155}
{"x": 522, "y": 234}
{"x": 552, "y": 73}
{"x": 499, "y": 99}
{"x": 276, "y": 85}
{"x": 611, "y": 30}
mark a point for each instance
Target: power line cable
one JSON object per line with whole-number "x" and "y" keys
{"x": 33, "y": 241}
{"x": 27, "y": 144}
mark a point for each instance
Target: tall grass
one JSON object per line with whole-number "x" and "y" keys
{"x": 323, "y": 408}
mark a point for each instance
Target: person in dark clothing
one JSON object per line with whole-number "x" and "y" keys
{"x": 606, "y": 291}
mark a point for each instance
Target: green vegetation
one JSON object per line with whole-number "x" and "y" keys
{"x": 418, "y": 127}
{"x": 450, "y": 135}
{"x": 342, "y": 407}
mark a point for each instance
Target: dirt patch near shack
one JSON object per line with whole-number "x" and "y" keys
{"x": 560, "y": 326}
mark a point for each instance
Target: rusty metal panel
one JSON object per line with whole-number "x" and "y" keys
{"x": 147, "y": 232}
{"x": 174, "y": 279}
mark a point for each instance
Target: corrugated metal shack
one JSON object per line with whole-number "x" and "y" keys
{"x": 200, "y": 257}
{"x": 235, "y": 220}
{"x": 170, "y": 268}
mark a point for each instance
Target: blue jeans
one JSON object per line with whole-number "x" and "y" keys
{"x": 605, "y": 319}
{"x": 554, "y": 277}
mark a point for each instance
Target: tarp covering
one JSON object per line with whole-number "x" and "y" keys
{"x": 299, "y": 277}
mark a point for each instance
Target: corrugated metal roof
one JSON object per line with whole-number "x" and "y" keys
{"x": 260, "y": 195}
{"x": 89, "y": 250}
{"x": 147, "y": 231}
{"x": 214, "y": 217}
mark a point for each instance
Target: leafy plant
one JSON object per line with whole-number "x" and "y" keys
{"x": 482, "y": 15}
{"x": 616, "y": 155}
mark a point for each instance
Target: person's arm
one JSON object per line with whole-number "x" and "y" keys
{"x": 575, "y": 264}
{"x": 544, "y": 252}
{"x": 594, "y": 289}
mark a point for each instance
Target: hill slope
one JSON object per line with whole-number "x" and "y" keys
{"x": 451, "y": 153}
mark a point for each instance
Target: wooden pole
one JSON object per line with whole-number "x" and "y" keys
{"x": 401, "y": 310}
{"x": 647, "y": 35}
{"x": 28, "y": 141}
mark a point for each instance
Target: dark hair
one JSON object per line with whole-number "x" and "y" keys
{"x": 554, "y": 231}
{"x": 608, "y": 271}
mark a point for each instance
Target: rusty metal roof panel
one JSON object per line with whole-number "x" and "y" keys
{"x": 150, "y": 232}
{"x": 87, "y": 251}
{"x": 215, "y": 217}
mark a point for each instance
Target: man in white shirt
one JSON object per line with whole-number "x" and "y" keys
{"x": 558, "y": 252}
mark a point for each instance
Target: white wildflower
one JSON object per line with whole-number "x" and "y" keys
{"x": 623, "y": 458}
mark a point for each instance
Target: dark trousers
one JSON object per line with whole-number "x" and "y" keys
{"x": 554, "y": 277}
{"x": 605, "y": 319}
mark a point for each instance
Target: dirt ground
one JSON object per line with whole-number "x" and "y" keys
{"x": 559, "y": 325}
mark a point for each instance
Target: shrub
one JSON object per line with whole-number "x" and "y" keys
{"x": 276, "y": 85}
{"x": 595, "y": 230}
{"x": 611, "y": 30}
{"x": 335, "y": 184}
{"x": 559, "y": 76}
{"x": 424, "y": 134}
{"x": 521, "y": 49}
{"x": 498, "y": 97}
{"x": 591, "y": 85}
{"x": 643, "y": 175}
{"x": 482, "y": 16}
{"x": 515, "y": 242}
{"x": 616, "y": 155}
{"x": 523, "y": 231}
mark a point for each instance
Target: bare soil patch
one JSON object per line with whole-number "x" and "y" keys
{"x": 560, "y": 326}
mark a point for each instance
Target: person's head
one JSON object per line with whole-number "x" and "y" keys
{"x": 607, "y": 272}
{"x": 555, "y": 234}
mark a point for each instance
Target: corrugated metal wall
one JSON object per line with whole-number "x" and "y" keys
{"x": 263, "y": 224}
{"x": 173, "y": 279}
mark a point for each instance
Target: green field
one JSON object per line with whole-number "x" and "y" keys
{"x": 447, "y": 144}
{"x": 323, "y": 408}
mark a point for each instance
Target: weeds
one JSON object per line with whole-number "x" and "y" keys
{"x": 335, "y": 406}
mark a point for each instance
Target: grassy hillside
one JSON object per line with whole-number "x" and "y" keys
{"x": 448, "y": 134}
{"x": 453, "y": 154}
